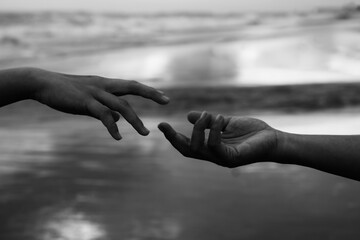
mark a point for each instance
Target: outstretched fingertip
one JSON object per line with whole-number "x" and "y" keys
{"x": 114, "y": 132}
{"x": 163, "y": 126}
{"x": 145, "y": 131}
{"x": 164, "y": 99}
{"x": 167, "y": 129}
{"x": 117, "y": 136}
{"x": 160, "y": 97}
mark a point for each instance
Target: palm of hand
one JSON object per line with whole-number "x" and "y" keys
{"x": 247, "y": 140}
{"x": 232, "y": 141}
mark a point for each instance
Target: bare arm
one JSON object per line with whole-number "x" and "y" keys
{"x": 93, "y": 96}
{"x": 238, "y": 141}
{"x": 16, "y": 85}
{"x": 338, "y": 155}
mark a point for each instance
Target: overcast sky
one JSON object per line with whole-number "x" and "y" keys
{"x": 168, "y": 5}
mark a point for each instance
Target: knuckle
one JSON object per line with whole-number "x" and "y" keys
{"x": 98, "y": 79}
{"x": 133, "y": 82}
{"x": 106, "y": 114}
{"x": 92, "y": 90}
{"x": 124, "y": 103}
{"x": 109, "y": 85}
{"x": 93, "y": 78}
{"x": 130, "y": 116}
{"x": 133, "y": 85}
{"x": 134, "y": 120}
{"x": 99, "y": 82}
{"x": 90, "y": 104}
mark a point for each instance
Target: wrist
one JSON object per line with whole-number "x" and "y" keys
{"x": 35, "y": 82}
{"x": 284, "y": 146}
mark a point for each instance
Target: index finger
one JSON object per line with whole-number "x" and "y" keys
{"x": 179, "y": 141}
{"x": 124, "y": 87}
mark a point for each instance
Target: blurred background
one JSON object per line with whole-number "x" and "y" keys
{"x": 294, "y": 64}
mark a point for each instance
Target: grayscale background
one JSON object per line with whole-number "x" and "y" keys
{"x": 294, "y": 64}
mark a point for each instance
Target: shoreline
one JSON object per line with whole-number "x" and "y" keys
{"x": 285, "y": 99}
{"x": 281, "y": 98}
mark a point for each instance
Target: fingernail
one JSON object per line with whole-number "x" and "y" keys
{"x": 203, "y": 114}
{"x": 161, "y": 127}
{"x": 217, "y": 118}
{"x": 165, "y": 98}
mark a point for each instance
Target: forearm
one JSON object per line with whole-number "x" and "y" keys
{"x": 338, "y": 155}
{"x": 17, "y": 84}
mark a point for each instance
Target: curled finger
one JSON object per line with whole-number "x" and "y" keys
{"x": 214, "y": 142}
{"x": 198, "y": 134}
{"x": 124, "y": 108}
{"x": 105, "y": 115}
{"x": 115, "y": 115}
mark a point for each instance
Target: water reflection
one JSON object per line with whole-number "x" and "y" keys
{"x": 156, "y": 229}
{"x": 30, "y": 147}
{"x": 141, "y": 188}
{"x": 67, "y": 224}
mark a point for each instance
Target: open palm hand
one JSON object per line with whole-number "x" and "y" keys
{"x": 232, "y": 141}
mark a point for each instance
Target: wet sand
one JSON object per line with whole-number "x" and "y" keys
{"x": 67, "y": 179}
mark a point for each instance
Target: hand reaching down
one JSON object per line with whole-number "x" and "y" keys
{"x": 94, "y": 96}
